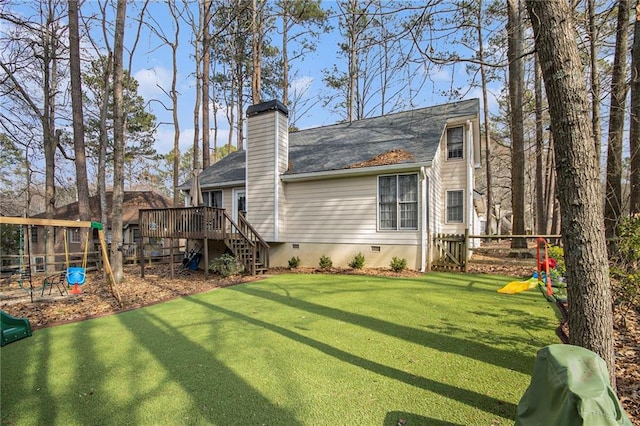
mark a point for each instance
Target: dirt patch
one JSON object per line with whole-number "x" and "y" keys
{"x": 158, "y": 286}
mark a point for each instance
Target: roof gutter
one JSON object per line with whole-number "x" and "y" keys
{"x": 230, "y": 184}
{"x": 360, "y": 171}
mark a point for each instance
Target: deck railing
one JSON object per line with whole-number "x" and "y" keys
{"x": 211, "y": 223}
{"x": 261, "y": 256}
{"x": 183, "y": 222}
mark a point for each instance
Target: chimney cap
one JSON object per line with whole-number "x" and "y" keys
{"x": 274, "y": 105}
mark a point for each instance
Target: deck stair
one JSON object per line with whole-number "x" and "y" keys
{"x": 247, "y": 246}
{"x": 209, "y": 223}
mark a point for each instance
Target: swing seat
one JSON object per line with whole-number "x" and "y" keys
{"x": 75, "y": 275}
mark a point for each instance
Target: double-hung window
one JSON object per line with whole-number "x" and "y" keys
{"x": 398, "y": 202}
{"x": 455, "y": 206}
{"x": 74, "y": 236}
{"x": 213, "y": 199}
{"x": 455, "y": 142}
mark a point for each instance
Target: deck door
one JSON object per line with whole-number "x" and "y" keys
{"x": 239, "y": 203}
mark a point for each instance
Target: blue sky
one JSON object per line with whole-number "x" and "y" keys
{"x": 152, "y": 68}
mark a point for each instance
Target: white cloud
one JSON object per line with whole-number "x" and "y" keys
{"x": 492, "y": 100}
{"x": 301, "y": 85}
{"x": 151, "y": 80}
{"x": 440, "y": 74}
{"x": 164, "y": 139}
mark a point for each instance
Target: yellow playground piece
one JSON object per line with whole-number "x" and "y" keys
{"x": 517, "y": 286}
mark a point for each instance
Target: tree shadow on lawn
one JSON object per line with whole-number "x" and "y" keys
{"x": 474, "y": 399}
{"x": 218, "y": 394}
{"x": 395, "y": 418}
{"x": 512, "y": 360}
{"x": 52, "y": 393}
{"x": 22, "y": 389}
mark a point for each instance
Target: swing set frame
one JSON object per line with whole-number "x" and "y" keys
{"x": 8, "y": 220}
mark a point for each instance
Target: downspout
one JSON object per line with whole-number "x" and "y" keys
{"x": 424, "y": 213}
{"x": 276, "y": 178}
{"x": 469, "y": 162}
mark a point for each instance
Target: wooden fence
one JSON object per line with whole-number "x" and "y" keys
{"x": 452, "y": 251}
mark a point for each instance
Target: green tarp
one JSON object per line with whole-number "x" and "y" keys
{"x": 570, "y": 386}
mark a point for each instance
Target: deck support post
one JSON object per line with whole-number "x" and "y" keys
{"x": 465, "y": 247}
{"x": 141, "y": 256}
{"x": 171, "y": 255}
{"x": 206, "y": 257}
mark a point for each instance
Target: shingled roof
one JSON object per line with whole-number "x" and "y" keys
{"x": 132, "y": 202}
{"x": 399, "y": 138}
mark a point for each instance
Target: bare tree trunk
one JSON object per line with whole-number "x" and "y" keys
{"x": 256, "y": 48}
{"x": 634, "y": 133}
{"x": 84, "y": 210}
{"x": 50, "y": 134}
{"x": 102, "y": 155}
{"x": 118, "y": 143}
{"x": 595, "y": 77}
{"x": 589, "y": 291}
{"x": 613, "y": 197}
{"x": 353, "y": 59}
{"x": 240, "y": 107}
{"x": 550, "y": 190}
{"x": 516, "y": 99}
{"x": 231, "y": 112}
{"x": 285, "y": 53}
{"x": 174, "y": 104}
{"x": 197, "y": 102}
{"x": 206, "y": 60}
{"x": 541, "y": 218}
{"x": 487, "y": 123}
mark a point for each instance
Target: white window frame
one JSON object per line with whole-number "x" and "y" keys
{"x": 461, "y": 206}
{"x": 459, "y": 153}
{"x": 208, "y": 203}
{"x": 235, "y": 205}
{"x": 74, "y": 236}
{"x": 39, "y": 264}
{"x": 399, "y": 203}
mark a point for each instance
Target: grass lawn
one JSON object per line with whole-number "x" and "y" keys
{"x": 443, "y": 349}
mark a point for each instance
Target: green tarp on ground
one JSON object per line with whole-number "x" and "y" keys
{"x": 570, "y": 386}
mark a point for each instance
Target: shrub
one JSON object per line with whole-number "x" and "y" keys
{"x": 625, "y": 270}
{"x": 294, "y": 262}
{"x": 557, "y": 253}
{"x": 397, "y": 264}
{"x": 325, "y": 262}
{"x": 358, "y": 261}
{"x": 226, "y": 265}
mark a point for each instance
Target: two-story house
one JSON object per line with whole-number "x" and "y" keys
{"x": 379, "y": 186}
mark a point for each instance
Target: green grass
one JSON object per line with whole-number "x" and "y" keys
{"x": 444, "y": 349}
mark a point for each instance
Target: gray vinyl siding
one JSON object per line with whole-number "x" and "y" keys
{"x": 227, "y": 199}
{"x": 262, "y": 176}
{"x": 338, "y": 211}
{"x": 435, "y": 191}
{"x": 283, "y": 164}
{"x": 453, "y": 175}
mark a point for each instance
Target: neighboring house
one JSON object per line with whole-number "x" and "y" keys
{"x": 132, "y": 202}
{"x": 379, "y": 186}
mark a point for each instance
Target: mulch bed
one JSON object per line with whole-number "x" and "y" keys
{"x": 158, "y": 286}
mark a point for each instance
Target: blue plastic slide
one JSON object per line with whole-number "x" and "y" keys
{"x": 13, "y": 328}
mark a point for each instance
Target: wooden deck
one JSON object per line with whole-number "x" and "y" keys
{"x": 207, "y": 223}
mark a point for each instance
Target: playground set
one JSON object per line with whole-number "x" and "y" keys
{"x": 550, "y": 283}
{"x": 72, "y": 276}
